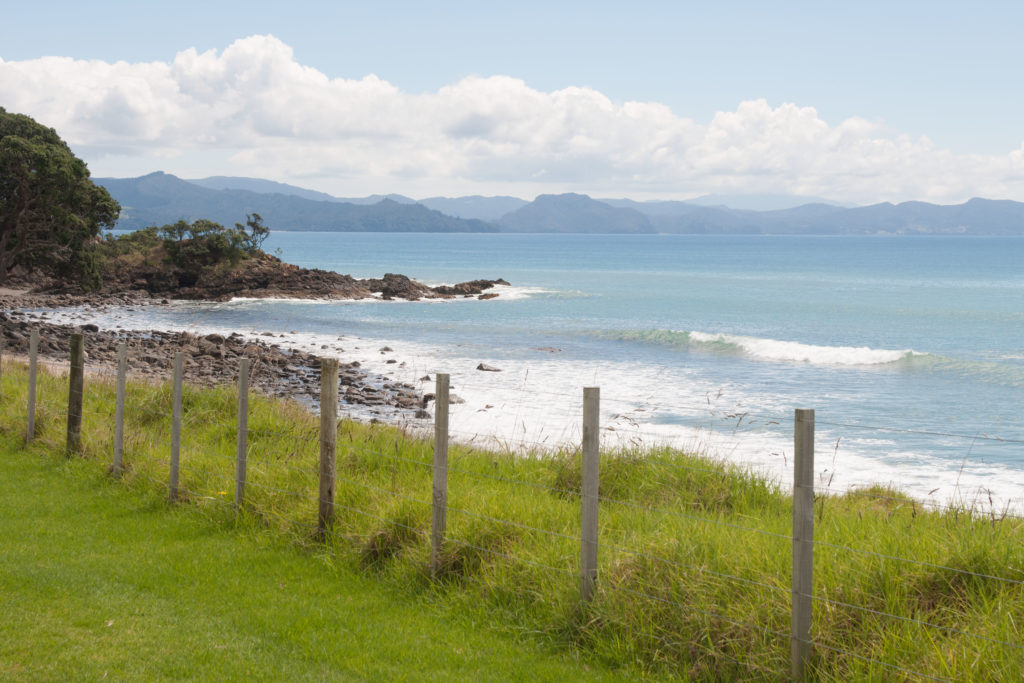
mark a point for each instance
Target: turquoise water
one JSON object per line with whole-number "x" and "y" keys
{"x": 690, "y": 335}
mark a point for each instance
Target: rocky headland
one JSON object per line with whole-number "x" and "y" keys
{"x": 263, "y": 276}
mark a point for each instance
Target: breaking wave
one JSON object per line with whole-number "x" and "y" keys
{"x": 773, "y": 349}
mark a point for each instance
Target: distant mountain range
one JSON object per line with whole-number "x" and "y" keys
{"x": 484, "y": 208}
{"x": 760, "y": 202}
{"x": 260, "y": 186}
{"x": 159, "y": 198}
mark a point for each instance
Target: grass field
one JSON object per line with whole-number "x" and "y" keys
{"x": 694, "y": 563}
{"x": 98, "y": 582}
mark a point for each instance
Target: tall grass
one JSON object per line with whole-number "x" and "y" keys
{"x": 695, "y": 555}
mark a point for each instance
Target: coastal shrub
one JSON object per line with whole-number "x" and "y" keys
{"x": 195, "y": 246}
{"x": 178, "y": 254}
{"x": 136, "y": 242}
{"x": 204, "y": 243}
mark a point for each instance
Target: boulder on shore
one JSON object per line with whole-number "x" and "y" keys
{"x": 487, "y": 368}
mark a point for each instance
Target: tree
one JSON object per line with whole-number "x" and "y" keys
{"x": 257, "y": 232}
{"x": 176, "y": 231}
{"x": 204, "y": 243}
{"x": 50, "y": 210}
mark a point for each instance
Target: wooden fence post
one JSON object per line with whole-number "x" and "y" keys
{"x": 243, "y": 431}
{"x": 122, "y": 373}
{"x": 33, "y": 358}
{"x": 328, "y": 441}
{"x": 803, "y": 541}
{"x": 175, "y": 427}
{"x": 589, "y": 498}
{"x": 439, "y": 509}
{"x": 76, "y": 389}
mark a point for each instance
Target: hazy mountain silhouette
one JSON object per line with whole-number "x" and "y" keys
{"x": 159, "y": 198}
{"x": 574, "y": 213}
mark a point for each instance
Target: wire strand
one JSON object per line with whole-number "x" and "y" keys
{"x": 911, "y": 620}
{"x": 870, "y": 660}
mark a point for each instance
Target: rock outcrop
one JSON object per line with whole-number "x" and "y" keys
{"x": 264, "y": 276}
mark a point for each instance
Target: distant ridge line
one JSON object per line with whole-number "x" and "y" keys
{"x": 160, "y": 198}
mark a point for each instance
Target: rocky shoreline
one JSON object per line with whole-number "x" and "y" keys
{"x": 213, "y": 359}
{"x": 209, "y": 360}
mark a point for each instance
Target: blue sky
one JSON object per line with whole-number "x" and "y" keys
{"x": 936, "y": 84}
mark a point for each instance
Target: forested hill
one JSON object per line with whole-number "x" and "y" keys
{"x": 159, "y": 198}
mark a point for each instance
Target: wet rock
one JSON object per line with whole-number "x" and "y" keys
{"x": 470, "y": 288}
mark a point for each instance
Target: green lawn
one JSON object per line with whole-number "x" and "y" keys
{"x": 99, "y": 582}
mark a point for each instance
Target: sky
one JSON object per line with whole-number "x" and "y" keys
{"x": 856, "y": 102}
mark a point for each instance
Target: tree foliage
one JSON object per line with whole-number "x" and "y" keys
{"x": 258, "y": 232}
{"x": 50, "y": 210}
{"x": 204, "y": 243}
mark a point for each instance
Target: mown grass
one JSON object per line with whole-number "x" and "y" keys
{"x": 695, "y": 555}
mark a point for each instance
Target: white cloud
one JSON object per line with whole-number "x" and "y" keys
{"x": 252, "y": 109}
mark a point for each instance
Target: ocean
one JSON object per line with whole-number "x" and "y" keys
{"x": 909, "y": 348}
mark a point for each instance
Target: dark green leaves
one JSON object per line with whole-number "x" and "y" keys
{"x": 50, "y": 210}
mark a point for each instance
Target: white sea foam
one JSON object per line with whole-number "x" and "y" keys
{"x": 776, "y": 350}
{"x": 504, "y": 292}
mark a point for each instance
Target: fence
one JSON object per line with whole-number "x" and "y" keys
{"x": 598, "y": 548}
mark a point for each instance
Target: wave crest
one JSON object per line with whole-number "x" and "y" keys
{"x": 775, "y": 349}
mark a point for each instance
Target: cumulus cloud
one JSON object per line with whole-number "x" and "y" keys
{"x": 252, "y": 109}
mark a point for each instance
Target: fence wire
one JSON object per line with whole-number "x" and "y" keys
{"x": 918, "y": 622}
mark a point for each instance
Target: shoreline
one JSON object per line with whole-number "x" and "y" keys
{"x": 500, "y": 410}
{"x": 209, "y": 360}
